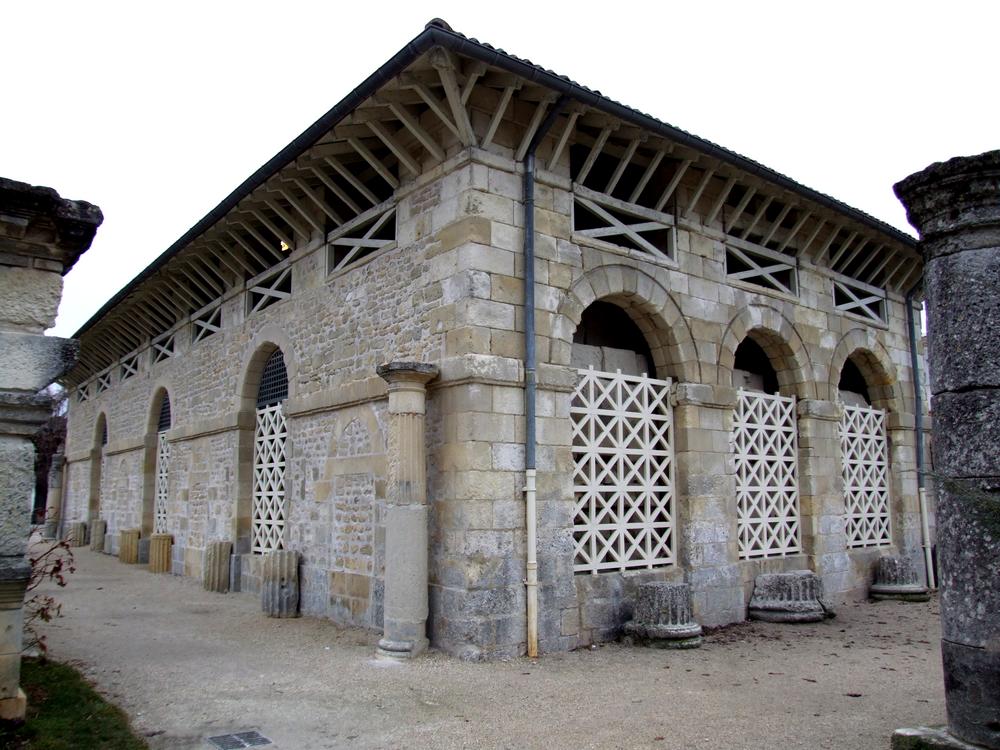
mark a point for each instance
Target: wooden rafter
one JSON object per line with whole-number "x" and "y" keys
{"x": 844, "y": 247}
{"x": 435, "y": 105}
{"x": 696, "y": 196}
{"x": 806, "y": 215}
{"x": 246, "y": 245}
{"x": 374, "y": 162}
{"x": 282, "y": 214}
{"x": 571, "y": 119}
{"x": 766, "y": 204}
{"x": 352, "y": 180}
{"x": 748, "y": 194}
{"x": 533, "y": 125}
{"x": 317, "y": 200}
{"x": 776, "y": 224}
{"x": 820, "y": 223}
{"x": 476, "y": 71}
{"x": 498, "y": 113}
{"x": 668, "y": 191}
{"x": 834, "y": 232}
{"x": 424, "y": 138}
{"x": 595, "y": 151}
{"x": 395, "y": 147}
{"x": 857, "y": 251}
{"x": 300, "y": 209}
{"x": 269, "y": 226}
{"x": 886, "y": 259}
{"x": 623, "y": 162}
{"x": 445, "y": 66}
{"x": 648, "y": 174}
{"x": 720, "y": 200}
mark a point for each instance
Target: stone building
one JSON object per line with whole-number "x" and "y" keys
{"x": 721, "y": 381}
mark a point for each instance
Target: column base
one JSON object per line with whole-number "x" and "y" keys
{"x": 14, "y": 709}
{"x": 928, "y": 738}
{"x": 400, "y": 650}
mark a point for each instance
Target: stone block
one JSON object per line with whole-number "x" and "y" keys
{"x": 128, "y": 546}
{"x": 279, "y": 589}
{"x": 663, "y": 617}
{"x": 159, "y": 553}
{"x": 787, "y": 597}
{"x": 216, "y": 573}
{"x": 76, "y": 534}
{"x": 896, "y": 578}
{"x": 98, "y": 528}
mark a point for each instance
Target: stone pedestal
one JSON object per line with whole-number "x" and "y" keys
{"x": 279, "y": 587}
{"x": 128, "y": 546}
{"x": 662, "y": 617}
{"x": 53, "y": 503}
{"x": 787, "y": 597}
{"x": 405, "y": 618}
{"x": 159, "y": 553}
{"x": 896, "y": 578}
{"x": 76, "y": 534}
{"x": 956, "y": 208}
{"x": 41, "y": 236}
{"x": 215, "y": 570}
{"x": 98, "y": 529}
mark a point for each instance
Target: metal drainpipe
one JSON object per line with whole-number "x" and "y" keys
{"x": 531, "y": 522}
{"x": 918, "y": 425}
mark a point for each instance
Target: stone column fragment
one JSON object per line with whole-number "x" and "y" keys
{"x": 98, "y": 530}
{"x": 215, "y": 570}
{"x": 128, "y": 546}
{"x": 406, "y": 538}
{"x": 787, "y": 597}
{"x": 663, "y": 617}
{"x": 896, "y": 578}
{"x": 159, "y": 553}
{"x": 279, "y": 587}
{"x": 76, "y": 534}
{"x": 53, "y": 503}
{"x": 955, "y": 206}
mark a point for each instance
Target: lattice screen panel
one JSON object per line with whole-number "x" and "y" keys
{"x": 269, "y": 480}
{"x": 632, "y": 227}
{"x": 623, "y": 472}
{"x": 865, "y": 462}
{"x": 162, "y": 483}
{"x": 867, "y": 302}
{"x": 767, "y": 489}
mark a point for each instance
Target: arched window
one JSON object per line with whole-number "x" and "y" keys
{"x": 162, "y": 467}
{"x": 765, "y": 442}
{"x": 270, "y": 435}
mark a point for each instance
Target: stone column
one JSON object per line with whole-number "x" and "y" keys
{"x": 53, "y": 503}
{"x": 405, "y": 624}
{"x": 955, "y": 206}
{"x": 41, "y": 236}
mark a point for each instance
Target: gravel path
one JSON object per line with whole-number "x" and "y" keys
{"x": 187, "y": 664}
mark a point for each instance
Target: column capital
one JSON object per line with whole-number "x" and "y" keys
{"x": 399, "y": 374}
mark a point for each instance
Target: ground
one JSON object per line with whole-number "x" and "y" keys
{"x": 187, "y": 664}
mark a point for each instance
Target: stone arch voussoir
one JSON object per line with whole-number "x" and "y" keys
{"x": 872, "y": 358}
{"x": 647, "y": 302}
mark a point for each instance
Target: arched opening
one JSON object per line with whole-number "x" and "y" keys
{"x": 98, "y": 466}
{"x": 864, "y": 390}
{"x": 765, "y": 443}
{"x": 852, "y": 387}
{"x": 752, "y": 368}
{"x": 607, "y": 339}
{"x": 161, "y": 496}
{"x": 269, "y": 511}
{"x": 625, "y": 510}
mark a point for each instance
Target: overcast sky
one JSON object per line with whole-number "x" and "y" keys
{"x": 157, "y": 111}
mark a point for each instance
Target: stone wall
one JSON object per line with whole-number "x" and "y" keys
{"x": 449, "y": 293}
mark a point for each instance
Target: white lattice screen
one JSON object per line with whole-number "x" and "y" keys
{"x": 623, "y": 472}
{"x": 864, "y": 457}
{"x": 269, "y": 479}
{"x": 767, "y": 488}
{"x": 162, "y": 483}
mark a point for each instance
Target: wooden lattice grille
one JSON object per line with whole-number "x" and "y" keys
{"x": 767, "y": 489}
{"x": 865, "y": 461}
{"x": 623, "y": 472}
{"x": 269, "y": 479}
{"x": 162, "y": 483}
{"x": 859, "y": 299}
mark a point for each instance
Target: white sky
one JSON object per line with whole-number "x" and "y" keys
{"x": 157, "y": 111}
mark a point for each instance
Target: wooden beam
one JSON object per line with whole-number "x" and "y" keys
{"x": 777, "y": 224}
{"x": 260, "y": 240}
{"x": 269, "y": 225}
{"x": 844, "y": 247}
{"x": 375, "y": 163}
{"x": 571, "y": 119}
{"x": 720, "y": 200}
{"x": 672, "y": 185}
{"x": 795, "y": 230}
{"x": 317, "y": 200}
{"x": 196, "y": 283}
{"x": 416, "y": 129}
{"x": 873, "y": 255}
{"x": 294, "y": 203}
{"x": 705, "y": 179}
{"x": 434, "y": 104}
{"x": 740, "y": 208}
{"x": 804, "y": 250}
{"x": 445, "y": 67}
{"x": 351, "y": 180}
{"x": 395, "y": 147}
{"x": 886, "y": 259}
{"x": 647, "y": 175}
{"x": 857, "y": 251}
{"x": 757, "y": 217}
{"x": 498, "y": 114}
{"x": 476, "y": 72}
{"x": 904, "y": 259}
{"x": 623, "y": 162}
{"x": 273, "y": 204}
{"x": 529, "y": 133}
{"x": 818, "y": 255}
{"x": 244, "y": 266}
{"x": 595, "y": 151}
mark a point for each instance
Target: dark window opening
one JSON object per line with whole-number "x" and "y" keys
{"x": 753, "y": 368}
{"x": 853, "y": 381}
{"x": 163, "y": 421}
{"x": 273, "y": 381}
{"x": 604, "y": 324}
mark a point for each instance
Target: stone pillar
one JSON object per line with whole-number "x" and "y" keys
{"x": 128, "y": 546}
{"x": 98, "y": 530}
{"x": 279, "y": 583}
{"x": 955, "y": 206}
{"x": 41, "y": 236}
{"x": 53, "y": 503}
{"x": 159, "y": 553}
{"x": 406, "y": 539}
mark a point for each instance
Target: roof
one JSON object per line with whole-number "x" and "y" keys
{"x": 438, "y": 33}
